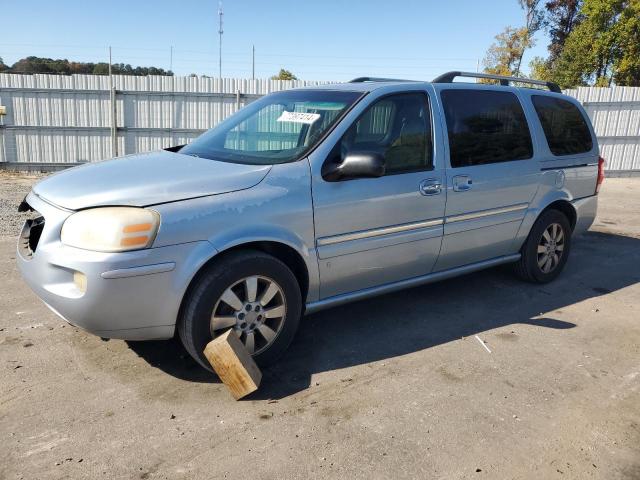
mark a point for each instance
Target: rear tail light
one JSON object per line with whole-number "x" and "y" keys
{"x": 600, "y": 174}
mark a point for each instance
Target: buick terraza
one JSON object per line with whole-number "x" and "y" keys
{"x": 310, "y": 198}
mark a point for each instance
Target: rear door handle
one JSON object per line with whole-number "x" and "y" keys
{"x": 430, "y": 186}
{"x": 462, "y": 183}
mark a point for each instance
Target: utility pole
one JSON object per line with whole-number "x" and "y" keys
{"x": 112, "y": 101}
{"x": 253, "y": 62}
{"x": 220, "y": 32}
{"x": 171, "y": 59}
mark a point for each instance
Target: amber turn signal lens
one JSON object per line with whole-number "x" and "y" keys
{"x": 140, "y": 227}
{"x": 134, "y": 241}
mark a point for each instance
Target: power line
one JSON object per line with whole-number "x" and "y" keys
{"x": 240, "y": 65}
{"x": 243, "y": 54}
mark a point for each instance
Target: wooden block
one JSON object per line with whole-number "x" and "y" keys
{"x": 233, "y": 364}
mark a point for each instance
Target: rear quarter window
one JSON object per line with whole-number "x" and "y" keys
{"x": 485, "y": 126}
{"x": 564, "y": 125}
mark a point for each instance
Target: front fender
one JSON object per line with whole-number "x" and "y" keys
{"x": 279, "y": 209}
{"x": 244, "y": 234}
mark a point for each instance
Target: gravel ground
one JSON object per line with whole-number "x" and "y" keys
{"x": 13, "y": 188}
{"x": 400, "y": 386}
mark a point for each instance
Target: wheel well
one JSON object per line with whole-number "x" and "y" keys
{"x": 566, "y": 208}
{"x": 286, "y": 254}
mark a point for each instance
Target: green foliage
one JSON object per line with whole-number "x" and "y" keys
{"x": 540, "y": 69}
{"x": 3, "y": 67}
{"x": 595, "y": 49}
{"x": 284, "y": 75}
{"x": 602, "y": 48}
{"x": 592, "y": 42}
{"x": 33, "y": 64}
{"x": 589, "y": 51}
{"x": 505, "y": 53}
{"x": 627, "y": 64}
{"x": 504, "y": 57}
{"x": 561, "y": 17}
{"x": 533, "y": 22}
{"x": 100, "y": 69}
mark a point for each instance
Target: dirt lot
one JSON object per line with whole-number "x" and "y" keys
{"x": 395, "y": 387}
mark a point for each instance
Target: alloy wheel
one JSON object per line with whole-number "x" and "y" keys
{"x": 254, "y": 308}
{"x": 551, "y": 248}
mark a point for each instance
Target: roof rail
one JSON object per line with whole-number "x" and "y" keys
{"x": 376, "y": 79}
{"x": 449, "y": 76}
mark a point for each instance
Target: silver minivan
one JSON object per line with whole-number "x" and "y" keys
{"x": 310, "y": 198}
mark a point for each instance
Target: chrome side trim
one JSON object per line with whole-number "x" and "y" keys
{"x": 313, "y": 307}
{"x": 566, "y": 167}
{"x": 486, "y": 213}
{"x": 139, "y": 271}
{"x": 377, "y": 232}
{"x": 417, "y": 225}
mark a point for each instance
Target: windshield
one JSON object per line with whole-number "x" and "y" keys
{"x": 277, "y": 128}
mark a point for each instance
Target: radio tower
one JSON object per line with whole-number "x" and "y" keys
{"x": 220, "y": 32}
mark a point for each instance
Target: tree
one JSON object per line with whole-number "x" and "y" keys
{"x": 533, "y": 22}
{"x": 47, "y": 65}
{"x": 3, "y": 67}
{"x": 284, "y": 75}
{"x": 541, "y": 69}
{"x": 627, "y": 66}
{"x": 604, "y": 47}
{"x": 562, "y": 16}
{"x": 504, "y": 57}
{"x": 100, "y": 69}
{"x": 505, "y": 54}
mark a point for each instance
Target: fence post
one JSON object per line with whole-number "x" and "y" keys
{"x": 114, "y": 124}
{"x": 237, "y": 100}
{"x": 3, "y": 157}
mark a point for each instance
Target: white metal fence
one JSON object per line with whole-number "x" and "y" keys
{"x": 615, "y": 114}
{"x": 60, "y": 120}
{"x": 53, "y": 119}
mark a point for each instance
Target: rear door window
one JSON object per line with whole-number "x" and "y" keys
{"x": 485, "y": 126}
{"x": 564, "y": 126}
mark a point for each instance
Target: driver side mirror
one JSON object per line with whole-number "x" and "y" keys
{"x": 355, "y": 165}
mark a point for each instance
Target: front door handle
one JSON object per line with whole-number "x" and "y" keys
{"x": 462, "y": 183}
{"x": 430, "y": 186}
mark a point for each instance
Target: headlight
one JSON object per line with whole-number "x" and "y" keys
{"x": 111, "y": 229}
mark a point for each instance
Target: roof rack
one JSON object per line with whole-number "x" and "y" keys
{"x": 449, "y": 76}
{"x": 376, "y": 79}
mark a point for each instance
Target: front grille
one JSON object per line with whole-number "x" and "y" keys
{"x": 30, "y": 236}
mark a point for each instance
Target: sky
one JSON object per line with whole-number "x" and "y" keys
{"x": 327, "y": 40}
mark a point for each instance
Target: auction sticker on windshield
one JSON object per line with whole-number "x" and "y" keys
{"x": 299, "y": 117}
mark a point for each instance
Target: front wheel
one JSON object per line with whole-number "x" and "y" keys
{"x": 250, "y": 292}
{"x": 546, "y": 250}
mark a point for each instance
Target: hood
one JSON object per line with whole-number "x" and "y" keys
{"x": 146, "y": 179}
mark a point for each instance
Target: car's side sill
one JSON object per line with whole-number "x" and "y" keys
{"x": 411, "y": 282}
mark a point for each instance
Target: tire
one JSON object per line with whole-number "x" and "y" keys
{"x": 271, "y": 325}
{"x": 532, "y": 267}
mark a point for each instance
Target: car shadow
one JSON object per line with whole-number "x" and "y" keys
{"x": 422, "y": 317}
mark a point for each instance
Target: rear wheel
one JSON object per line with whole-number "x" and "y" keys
{"x": 546, "y": 250}
{"x": 250, "y": 292}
